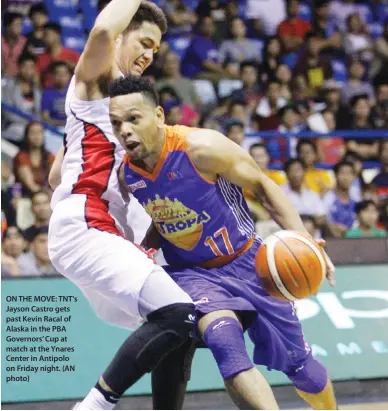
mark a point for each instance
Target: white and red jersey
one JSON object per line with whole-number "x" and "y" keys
{"x": 90, "y": 165}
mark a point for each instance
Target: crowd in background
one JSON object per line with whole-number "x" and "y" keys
{"x": 241, "y": 67}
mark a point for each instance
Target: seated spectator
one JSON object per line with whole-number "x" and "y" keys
{"x": 361, "y": 119}
{"x": 380, "y": 184}
{"x": 42, "y": 212}
{"x": 8, "y": 199}
{"x": 283, "y": 76}
{"x": 290, "y": 123}
{"x": 268, "y": 108}
{"x": 180, "y": 17}
{"x": 293, "y": 30}
{"x": 311, "y": 226}
{"x": 239, "y": 110}
{"x": 23, "y": 93}
{"x": 239, "y": 48}
{"x": 304, "y": 200}
{"x": 379, "y": 112}
{"x": 367, "y": 217}
{"x": 13, "y": 244}
{"x": 317, "y": 180}
{"x": 332, "y": 98}
{"x": 172, "y": 77}
{"x": 269, "y": 13}
{"x": 339, "y": 205}
{"x": 259, "y": 153}
{"x": 357, "y": 42}
{"x": 202, "y": 59}
{"x": 12, "y": 43}
{"x": 271, "y": 59}
{"x": 178, "y": 113}
{"x": 55, "y": 52}
{"x": 53, "y": 98}
{"x": 359, "y": 187}
{"x": 355, "y": 85}
{"x": 380, "y": 61}
{"x": 37, "y": 261}
{"x": 250, "y": 92}
{"x": 235, "y": 131}
{"x": 35, "y": 44}
{"x": 311, "y": 65}
{"x": 339, "y": 11}
{"x": 33, "y": 162}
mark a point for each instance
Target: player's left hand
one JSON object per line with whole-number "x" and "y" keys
{"x": 330, "y": 269}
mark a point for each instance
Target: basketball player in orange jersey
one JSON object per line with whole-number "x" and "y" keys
{"x": 190, "y": 182}
{"x": 89, "y": 240}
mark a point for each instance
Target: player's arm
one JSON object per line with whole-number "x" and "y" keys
{"x": 54, "y": 178}
{"x": 97, "y": 58}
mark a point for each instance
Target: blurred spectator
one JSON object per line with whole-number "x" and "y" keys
{"x": 41, "y": 210}
{"x": 235, "y": 131}
{"x": 53, "y": 99}
{"x": 12, "y": 43}
{"x": 12, "y": 256}
{"x": 357, "y": 42}
{"x": 339, "y": 11}
{"x": 37, "y": 261}
{"x": 238, "y": 110}
{"x": 259, "y": 153}
{"x": 268, "y": 107}
{"x": 23, "y": 93}
{"x": 359, "y": 186}
{"x": 290, "y": 124}
{"x": 332, "y": 98}
{"x": 271, "y": 59}
{"x": 367, "y": 217}
{"x": 293, "y": 30}
{"x": 380, "y": 183}
{"x": 8, "y": 202}
{"x": 304, "y": 200}
{"x": 172, "y": 77}
{"x": 310, "y": 225}
{"x": 33, "y": 162}
{"x": 239, "y": 48}
{"x": 19, "y": 6}
{"x": 380, "y": 61}
{"x": 35, "y": 44}
{"x": 155, "y": 69}
{"x": 317, "y": 180}
{"x": 173, "y": 112}
{"x": 211, "y": 8}
{"x": 355, "y": 85}
{"x": 338, "y": 202}
{"x": 55, "y": 52}
{"x": 283, "y": 76}
{"x": 179, "y": 112}
{"x": 313, "y": 67}
{"x": 380, "y": 110}
{"x": 361, "y": 119}
{"x": 270, "y": 13}
{"x": 202, "y": 58}
{"x": 250, "y": 91}
{"x": 180, "y": 17}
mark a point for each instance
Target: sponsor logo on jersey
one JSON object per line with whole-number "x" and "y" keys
{"x": 136, "y": 186}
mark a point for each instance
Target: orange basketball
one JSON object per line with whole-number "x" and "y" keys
{"x": 290, "y": 265}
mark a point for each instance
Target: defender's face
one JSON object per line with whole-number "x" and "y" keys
{"x": 136, "y": 123}
{"x": 136, "y": 48}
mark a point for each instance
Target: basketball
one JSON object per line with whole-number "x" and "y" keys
{"x": 290, "y": 265}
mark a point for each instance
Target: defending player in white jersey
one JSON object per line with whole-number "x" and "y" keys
{"x": 88, "y": 237}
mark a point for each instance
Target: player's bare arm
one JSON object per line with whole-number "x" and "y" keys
{"x": 54, "y": 178}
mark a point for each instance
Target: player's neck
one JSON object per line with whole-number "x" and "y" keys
{"x": 151, "y": 161}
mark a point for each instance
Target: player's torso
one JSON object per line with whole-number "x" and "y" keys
{"x": 92, "y": 155}
{"x": 198, "y": 220}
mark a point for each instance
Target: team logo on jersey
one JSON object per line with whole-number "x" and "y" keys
{"x": 177, "y": 223}
{"x": 174, "y": 175}
{"x": 136, "y": 186}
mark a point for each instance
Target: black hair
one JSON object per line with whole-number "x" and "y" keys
{"x": 306, "y": 141}
{"x": 286, "y": 108}
{"x": 362, "y": 205}
{"x": 38, "y": 231}
{"x": 257, "y": 145}
{"x": 54, "y": 27}
{"x": 291, "y": 162}
{"x": 131, "y": 85}
{"x": 37, "y": 193}
{"x": 26, "y": 57}
{"x": 232, "y": 123}
{"x": 169, "y": 90}
{"x": 249, "y": 63}
{"x": 6, "y": 231}
{"x": 307, "y": 217}
{"x": 355, "y": 99}
{"x": 10, "y": 17}
{"x": 37, "y": 8}
{"x": 342, "y": 164}
{"x": 56, "y": 64}
{"x": 150, "y": 12}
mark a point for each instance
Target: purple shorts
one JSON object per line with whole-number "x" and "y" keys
{"x": 272, "y": 325}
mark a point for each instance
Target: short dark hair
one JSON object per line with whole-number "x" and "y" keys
{"x": 355, "y": 99}
{"x": 40, "y": 192}
{"x": 232, "y": 123}
{"x": 56, "y": 64}
{"x": 353, "y": 156}
{"x": 257, "y": 145}
{"x": 26, "y": 57}
{"x": 362, "y": 205}
{"x": 306, "y": 141}
{"x": 150, "y": 12}
{"x": 54, "y": 27}
{"x": 131, "y": 85}
{"x": 37, "y": 8}
{"x": 10, "y": 17}
{"x": 39, "y": 231}
{"x": 282, "y": 111}
{"x": 342, "y": 164}
{"x": 249, "y": 63}
{"x": 307, "y": 217}
{"x": 291, "y": 162}
{"x": 7, "y": 230}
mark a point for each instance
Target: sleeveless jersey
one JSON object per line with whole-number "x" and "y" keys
{"x": 199, "y": 221}
{"x": 92, "y": 158}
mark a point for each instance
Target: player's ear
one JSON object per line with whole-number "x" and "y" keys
{"x": 160, "y": 117}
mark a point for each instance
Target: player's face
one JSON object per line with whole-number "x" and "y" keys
{"x": 136, "y": 49}
{"x": 137, "y": 124}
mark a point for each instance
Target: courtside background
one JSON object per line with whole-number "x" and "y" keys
{"x": 347, "y": 328}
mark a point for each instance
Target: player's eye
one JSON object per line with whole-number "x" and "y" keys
{"x": 133, "y": 119}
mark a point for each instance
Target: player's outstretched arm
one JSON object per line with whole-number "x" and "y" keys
{"x": 97, "y": 58}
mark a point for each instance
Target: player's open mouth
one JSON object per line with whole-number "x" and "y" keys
{"x": 139, "y": 66}
{"x": 132, "y": 146}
